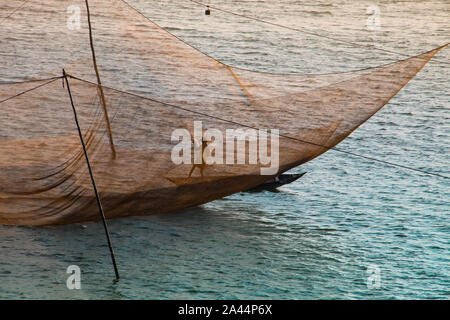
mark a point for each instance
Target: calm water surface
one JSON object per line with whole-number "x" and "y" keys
{"x": 315, "y": 238}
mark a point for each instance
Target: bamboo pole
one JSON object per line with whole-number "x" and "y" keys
{"x": 99, "y": 203}
{"x": 99, "y": 82}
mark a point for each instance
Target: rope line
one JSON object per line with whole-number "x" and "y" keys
{"x": 32, "y": 89}
{"x": 281, "y": 135}
{"x": 14, "y": 11}
{"x": 309, "y": 32}
{"x": 244, "y": 89}
{"x": 27, "y": 81}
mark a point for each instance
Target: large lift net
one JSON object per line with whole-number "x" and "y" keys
{"x": 153, "y": 84}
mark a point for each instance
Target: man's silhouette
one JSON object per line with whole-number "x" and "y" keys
{"x": 201, "y": 165}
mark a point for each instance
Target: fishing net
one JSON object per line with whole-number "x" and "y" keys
{"x": 153, "y": 84}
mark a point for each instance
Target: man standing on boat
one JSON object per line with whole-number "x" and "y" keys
{"x": 201, "y": 165}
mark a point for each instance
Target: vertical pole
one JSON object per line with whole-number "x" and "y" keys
{"x": 99, "y": 82}
{"x": 100, "y": 208}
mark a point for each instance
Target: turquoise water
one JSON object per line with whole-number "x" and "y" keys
{"x": 315, "y": 238}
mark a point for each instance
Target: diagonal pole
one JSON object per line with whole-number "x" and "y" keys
{"x": 100, "y": 208}
{"x": 99, "y": 83}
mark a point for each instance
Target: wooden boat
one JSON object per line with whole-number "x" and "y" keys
{"x": 277, "y": 182}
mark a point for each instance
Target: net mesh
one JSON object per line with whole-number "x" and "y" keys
{"x": 153, "y": 84}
